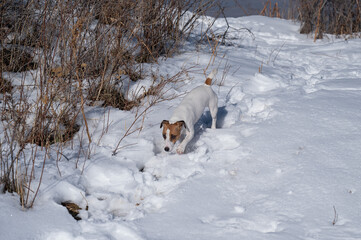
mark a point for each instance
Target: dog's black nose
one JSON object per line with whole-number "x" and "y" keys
{"x": 166, "y": 149}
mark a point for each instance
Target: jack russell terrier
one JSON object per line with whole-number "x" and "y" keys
{"x": 187, "y": 114}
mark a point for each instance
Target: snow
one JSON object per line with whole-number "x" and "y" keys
{"x": 283, "y": 161}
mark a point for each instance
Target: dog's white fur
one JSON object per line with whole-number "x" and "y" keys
{"x": 191, "y": 109}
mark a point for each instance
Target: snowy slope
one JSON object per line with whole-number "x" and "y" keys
{"x": 284, "y": 159}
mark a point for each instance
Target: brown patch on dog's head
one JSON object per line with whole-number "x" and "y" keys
{"x": 174, "y": 130}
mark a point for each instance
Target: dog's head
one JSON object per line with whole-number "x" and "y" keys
{"x": 171, "y": 133}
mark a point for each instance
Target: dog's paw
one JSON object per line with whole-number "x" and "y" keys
{"x": 180, "y": 150}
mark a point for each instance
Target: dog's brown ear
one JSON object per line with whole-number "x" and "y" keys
{"x": 182, "y": 123}
{"x": 164, "y": 122}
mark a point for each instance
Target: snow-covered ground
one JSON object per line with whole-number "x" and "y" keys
{"x": 283, "y": 163}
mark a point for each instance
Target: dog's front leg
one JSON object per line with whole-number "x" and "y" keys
{"x": 213, "y": 108}
{"x": 214, "y": 121}
{"x": 186, "y": 140}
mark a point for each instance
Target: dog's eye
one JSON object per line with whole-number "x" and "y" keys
{"x": 172, "y": 137}
{"x": 164, "y": 136}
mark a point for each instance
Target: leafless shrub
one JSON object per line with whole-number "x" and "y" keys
{"x": 12, "y": 144}
{"x": 17, "y": 26}
{"x": 5, "y": 85}
{"x": 15, "y": 59}
{"x": 339, "y": 17}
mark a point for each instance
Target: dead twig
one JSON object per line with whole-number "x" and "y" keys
{"x": 335, "y": 218}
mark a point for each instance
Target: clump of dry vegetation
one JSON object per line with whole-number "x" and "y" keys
{"x": 70, "y": 54}
{"x": 339, "y": 17}
{"x": 280, "y": 9}
{"x": 5, "y": 86}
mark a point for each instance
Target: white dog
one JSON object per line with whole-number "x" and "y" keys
{"x": 187, "y": 114}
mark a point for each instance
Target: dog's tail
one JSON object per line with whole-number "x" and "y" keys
{"x": 210, "y": 77}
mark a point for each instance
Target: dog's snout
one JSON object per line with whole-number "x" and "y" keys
{"x": 166, "y": 149}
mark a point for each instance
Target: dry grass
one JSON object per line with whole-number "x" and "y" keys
{"x": 269, "y": 10}
{"x": 274, "y": 8}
